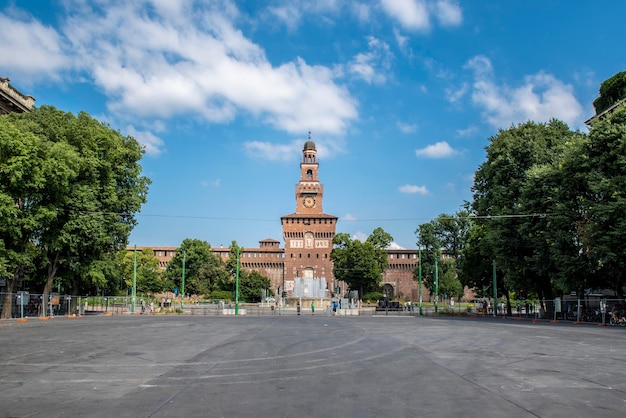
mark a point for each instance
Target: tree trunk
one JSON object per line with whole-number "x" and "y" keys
{"x": 12, "y": 282}
{"x": 8, "y": 299}
{"x": 52, "y": 270}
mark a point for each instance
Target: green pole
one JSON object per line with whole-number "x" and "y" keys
{"x": 419, "y": 269}
{"x": 182, "y": 290}
{"x": 436, "y": 283}
{"x": 132, "y": 309}
{"x": 237, "y": 284}
{"x": 495, "y": 289}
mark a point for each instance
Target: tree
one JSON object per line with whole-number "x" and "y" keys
{"x": 606, "y": 153}
{"x": 360, "y": 264}
{"x": 195, "y": 253}
{"x": 88, "y": 192}
{"x": 22, "y": 179}
{"x": 447, "y": 234}
{"x": 612, "y": 90}
{"x": 251, "y": 284}
{"x": 149, "y": 275}
{"x": 213, "y": 275}
{"x": 502, "y": 201}
{"x": 380, "y": 240}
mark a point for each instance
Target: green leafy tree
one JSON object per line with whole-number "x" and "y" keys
{"x": 149, "y": 275}
{"x": 213, "y": 275}
{"x": 22, "y": 179}
{"x": 251, "y": 284}
{"x": 611, "y": 90}
{"x": 606, "y": 153}
{"x": 381, "y": 241}
{"x": 195, "y": 253}
{"x": 447, "y": 234}
{"x": 449, "y": 283}
{"x": 360, "y": 264}
{"x": 502, "y": 202}
{"x": 90, "y": 193}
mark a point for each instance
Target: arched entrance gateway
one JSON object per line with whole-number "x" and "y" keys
{"x": 388, "y": 291}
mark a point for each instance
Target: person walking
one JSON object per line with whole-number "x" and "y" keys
{"x": 312, "y": 308}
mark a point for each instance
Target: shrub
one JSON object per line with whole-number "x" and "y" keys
{"x": 373, "y": 296}
{"x": 221, "y": 295}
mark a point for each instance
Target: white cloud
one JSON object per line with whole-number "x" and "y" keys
{"x": 540, "y": 98}
{"x": 469, "y": 131}
{"x": 181, "y": 58}
{"x": 406, "y": 128}
{"x": 348, "y": 217}
{"x": 215, "y": 183}
{"x": 273, "y": 152}
{"x": 413, "y": 189}
{"x": 448, "y": 13}
{"x": 361, "y": 236}
{"x": 439, "y": 150}
{"x": 291, "y": 13}
{"x": 361, "y": 11}
{"x": 152, "y": 143}
{"x": 416, "y": 14}
{"x": 326, "y": 148}
{"x": 411, "y": 14}
{"x": 371, "y": 66}
{"x": 395, "y": 246}
{"x": 31, "y": 49}
{"x": 453, "y": 95}
{"x": 401, "y": 40}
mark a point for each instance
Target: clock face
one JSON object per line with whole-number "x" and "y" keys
{"x": 309, "y": 201}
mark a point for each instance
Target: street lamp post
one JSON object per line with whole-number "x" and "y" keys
{"x": 182, "y": 287}
{"x": 495, "y": 289}
{"x": 419, "y": 271}
{"x": 132, "y": 309}
{"x": 237, "y": 284}
{"x": 436, "y": 283}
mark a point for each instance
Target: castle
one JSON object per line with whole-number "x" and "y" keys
{"x": 303, "y": 268}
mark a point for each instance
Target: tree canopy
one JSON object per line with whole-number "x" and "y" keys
{"x": 360, "y": 264}
{"x": 70, "y": 186}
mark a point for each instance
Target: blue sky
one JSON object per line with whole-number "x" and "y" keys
{"x": 400, "y": 96}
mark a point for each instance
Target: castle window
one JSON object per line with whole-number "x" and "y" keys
{"x": 309, "y": 174}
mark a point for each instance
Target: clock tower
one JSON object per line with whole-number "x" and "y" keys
{"x": 308, "y": 235}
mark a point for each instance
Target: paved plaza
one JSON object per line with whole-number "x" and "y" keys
{"x": 309, "y": 366}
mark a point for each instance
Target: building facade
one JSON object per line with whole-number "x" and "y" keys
{"x": 12, "y": 100}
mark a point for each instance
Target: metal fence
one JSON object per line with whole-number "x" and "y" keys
{"x": 591, "y": 310}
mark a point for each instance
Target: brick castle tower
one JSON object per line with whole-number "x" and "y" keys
{"x": 308, "y": 234}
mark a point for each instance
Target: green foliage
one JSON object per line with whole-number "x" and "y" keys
{"x": 447, "y": 234}
{"x": 360, "y": 264}
{"x": 149, "y": 276}
{"x": 502, "y": 192}
{"x": 72, "y": 186}
{"x": 195, "y": 254}
{"x": 606, "y": 202}
{"x": 221, "y": 295}
{"x": 373, "y": 297}
{"x": 251, "y": 284}
{"x": 611, "y": 90}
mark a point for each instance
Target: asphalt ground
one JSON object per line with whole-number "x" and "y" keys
{"x": 309, "y": 366}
